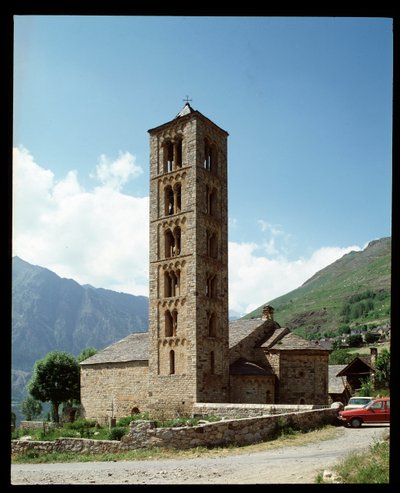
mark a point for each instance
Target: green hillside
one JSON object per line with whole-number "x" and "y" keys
{"x": 355, "y": 290}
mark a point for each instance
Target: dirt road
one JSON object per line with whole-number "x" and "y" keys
{"x": 289, "y": 464}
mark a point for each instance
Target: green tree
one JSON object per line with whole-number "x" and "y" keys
{"x": 31, "y": 408}
{"x": 355, "y": 340}
{"x": 56, "y": 378}
{"x": 341, "y": 357}
{"x": 366, "y": 388}
{"x": 86, "y": 353}
{"x": 382, "y": 368}
{"x": 371, "y": 337}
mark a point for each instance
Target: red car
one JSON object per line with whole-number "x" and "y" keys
{"x": 377, "y": 411}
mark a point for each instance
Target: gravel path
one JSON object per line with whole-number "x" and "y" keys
{"x": 289, "y": 464}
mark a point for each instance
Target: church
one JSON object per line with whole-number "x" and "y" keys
{"x": 192, "y": 352}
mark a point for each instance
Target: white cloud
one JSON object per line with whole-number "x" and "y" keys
{"x": 97, "y": 237}
{"x": 256, "y": 279}
{"x": 116, "y": 173}
{"x": 100, "y": 236}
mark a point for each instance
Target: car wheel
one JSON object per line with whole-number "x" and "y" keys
{"x": 356, "y": 423}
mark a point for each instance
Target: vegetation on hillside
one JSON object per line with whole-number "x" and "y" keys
{"x": 353, "y": 292}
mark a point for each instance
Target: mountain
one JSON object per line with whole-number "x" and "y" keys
{"x": 50, "y": 313}
{"x": 353, "y": 290}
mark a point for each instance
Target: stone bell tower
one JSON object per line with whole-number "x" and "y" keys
{"x": 188, "y": 319}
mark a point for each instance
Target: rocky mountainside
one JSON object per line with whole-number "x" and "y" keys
{"x": 354, "y": 290}
{"x": 50, "y": 313}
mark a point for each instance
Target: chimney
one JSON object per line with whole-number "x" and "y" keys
{"x": 373, "y": 356}
{"x": 267, "y": 313}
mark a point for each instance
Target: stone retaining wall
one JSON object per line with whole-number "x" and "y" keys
{"x": 248, "y": 410}
{"x": 144, "y": 434}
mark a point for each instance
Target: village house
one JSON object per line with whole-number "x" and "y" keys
{"x": 191, "y": 352}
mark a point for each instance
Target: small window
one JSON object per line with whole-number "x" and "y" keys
{"x": 212, "y": 325}
{"x": 212, "y": 363}
{"x": 172, "y": 362}
{"x": 212, "y": 245}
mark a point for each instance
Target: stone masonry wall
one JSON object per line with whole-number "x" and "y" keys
{"x": 113, "y": 390}
{"x": 143, "y": 434}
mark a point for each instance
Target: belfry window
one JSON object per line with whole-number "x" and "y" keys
{"x": 169, "y": 201}
{"x": 172, "y": 242}
{"x": 172, "y": 155}
{"x": 172, "y": 283}
{"x": 212, "y": 245}
{"x": 178, "y": 197}
{"x": 211, "y": 286}
{"x": 171, "y": 323}
{"x": 210, "y": 156}
{"x": 211, "y": 324}
{"x": 211, "y": 201}
{"x": 168, "y": 157}
{"x": 178, "y": 154}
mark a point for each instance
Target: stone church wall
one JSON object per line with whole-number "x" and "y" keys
{"x": 113, "y": 390}
{"x": 252, "y": 389}
{"x": 303, "y": 378}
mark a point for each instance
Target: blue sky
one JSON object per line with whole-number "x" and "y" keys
{"x": 307, "y": 103}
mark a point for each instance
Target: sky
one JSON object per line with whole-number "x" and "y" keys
{"x": 307, "y": 103}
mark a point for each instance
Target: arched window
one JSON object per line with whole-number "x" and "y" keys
{"x": 172, "y": 362}
{"x": 211, "y": 201}
{"x": 172, "y": 283}
{"x": 178, "y": 154}
{"x": 169, "y": 244}
{"x": 172, "y": 242}
{"x": 207, "y": 155}
{"x": 169, "y": 201}
{"x": 211, "y": 286}
{"x": 177, "y": 235}
{"x": 212, "y": 325}
{"x": 168, "y": 157}
{"x": 178, "y": 197}
{"x": 169, "y": 324}
{"x": 210, "y": 156}
{"x": 212, "y": 245}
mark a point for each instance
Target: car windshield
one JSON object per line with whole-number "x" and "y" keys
{"x": 359, "y": 401}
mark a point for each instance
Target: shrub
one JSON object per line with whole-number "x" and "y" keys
{"x": 117, "y": 432}
{"x": 82, "y": 425}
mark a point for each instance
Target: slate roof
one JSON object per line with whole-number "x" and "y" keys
{"x": 358, "y": 366}
{"x": 336, "y": 384}
{"x": 134, "y": 347}
{"x": 243, "y": 367}
{"x": 291, "y": 341}
{"x": 239, "y": 329}
{"x": 185, "y": 111}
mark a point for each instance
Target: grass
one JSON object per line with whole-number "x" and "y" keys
{"x": 368, "y": 467}
{"x": 286, "y": 437}
{"x": 367, "y": 349}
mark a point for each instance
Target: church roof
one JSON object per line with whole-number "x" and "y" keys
{"x": 134, "y": 347}
{"x": 185, "y": 111}
{"x": 244, "y": 367}
{"x": 291, "y": 341}
{"x": 239, "y": 329}
{"x": 336, "y": 385}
